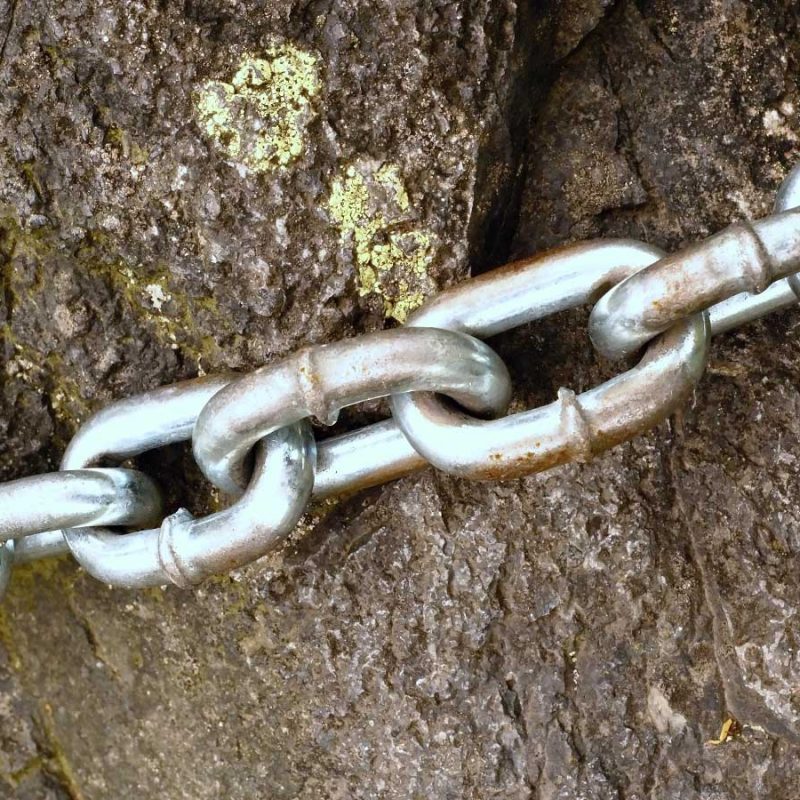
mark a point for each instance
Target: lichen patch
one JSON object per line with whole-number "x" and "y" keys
{"x": 259, "y": 119}
{"x": 370, "y": 206}
{"x": 156, "y": 294}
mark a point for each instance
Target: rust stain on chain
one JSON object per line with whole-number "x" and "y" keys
{"x": 255, "y": 427}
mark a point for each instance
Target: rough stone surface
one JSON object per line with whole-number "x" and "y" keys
{"x": 197, "y": 186}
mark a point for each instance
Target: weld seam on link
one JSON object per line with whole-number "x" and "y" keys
{"x": 761, "y": 269}
{"x": 168, "y": 554}
{"x": 308, "y": 381}
{"x": 574, "y": 421}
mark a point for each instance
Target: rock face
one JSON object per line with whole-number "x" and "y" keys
{"x": 193, "y": 187}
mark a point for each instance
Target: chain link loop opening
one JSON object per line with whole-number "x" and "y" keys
{"x": 639, "y": 294}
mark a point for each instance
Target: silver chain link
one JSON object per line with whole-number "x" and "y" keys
{"x": 674, "y": 303}
{"x": 726, "y": 275}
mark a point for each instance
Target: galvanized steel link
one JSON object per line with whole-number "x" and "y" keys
{"x": 745, "y": 258}
{"x": 43, "y": 505}
{"x": 84, "y": 498}
{"x": 125, "y": 429}
{"x": 281, "y": 489}
{"x": 745, "y": 307}
{"x": 319, "y": 381}
{"x": 573, "y": 428}
{"x": 185, "y": 550}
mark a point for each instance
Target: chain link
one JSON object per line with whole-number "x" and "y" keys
{"x": 77, "y": 498}
{"x": 184, "y": 550}
{"x": 745, "y": 307}
{"x": 573, "y": 428}
{"x": 320, "y": 381}
{"x": 261, "y": 419}
{"x": 736, "y": 265}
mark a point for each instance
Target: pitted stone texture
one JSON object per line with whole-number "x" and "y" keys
{"x": 140, "y": 248}
{"x": 671, "y": 121}
{"x": 579, "y": 634}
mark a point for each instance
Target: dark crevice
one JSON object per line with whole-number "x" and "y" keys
{"x": 8, "y": 289}
{"x": 655, "y": 34}
{"x": 534, "y": 69}
{"x": 501, "y": 172}
{"x": 11, "y": 17}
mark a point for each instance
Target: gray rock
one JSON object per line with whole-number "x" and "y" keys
{"x": 208, "y": 185}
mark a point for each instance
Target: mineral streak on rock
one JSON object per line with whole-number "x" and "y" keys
{"x": 370, "y": 206}
{"x": 259, "y": 119}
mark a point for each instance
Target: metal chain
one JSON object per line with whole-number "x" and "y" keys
{"x": 317, "y": 381}
{"x": 727, "y": 275}
{"x": 257, "y": 425}
{"x": 320, "y": 381}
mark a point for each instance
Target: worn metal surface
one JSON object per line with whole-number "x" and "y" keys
{"x": 185, "y": 550}
{"x": 86, "y": 497}
{"x": 583, "y": 632}
{"x": 572, "y": 428}
{"x": 565, "y": 430}
{"x": 746, "y": 257}
{"x": 785, "y": 293}
{"x": 320, "y": 381}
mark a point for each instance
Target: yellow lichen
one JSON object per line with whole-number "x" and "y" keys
{"x": 371, "y": 208}
{"x": 389, "y": 176}
{"x": 729, "y": 728}
{"x": 259, "y": 119}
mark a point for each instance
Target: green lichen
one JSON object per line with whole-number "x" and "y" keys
{"x": 259, "y": 119}
{"x": 371, "y": 208}
{"x": 45, "y": 371}
{"x": 178, "y": 321}
{"x": 25, "y": 588}
{"x": 121, "y": 140}
{"x": 171, "y": 315}
{"x": 58, "y": 763}
{"x": 30, "y": 768}
{"x": 8, "y": 641}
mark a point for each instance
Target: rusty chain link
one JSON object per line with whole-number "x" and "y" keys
{"x": 733, "y": 275}
{"x": 251, "y": 434}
